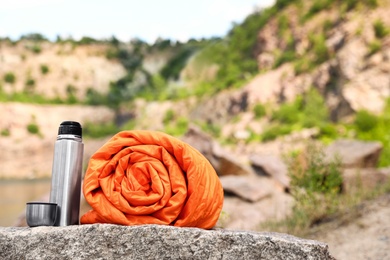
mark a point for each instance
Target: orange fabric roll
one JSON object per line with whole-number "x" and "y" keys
{"x": 146, "y": 177}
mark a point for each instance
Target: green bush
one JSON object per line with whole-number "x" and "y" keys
{"x": 316, "y": 175}
{"x": 44, "y": 69}
{"x": 380, "y": 29}
{"x": 9, "y": 77}
{"x": 285, "y": 56}
{"x": 315, "y": 111}
{"x": 179, "y": 128}
{"x": 316, "y": 7}
{"x": 5, "y": 132}
{"x": 365, "y": 121}
{"x": 288, "y": 113}
{"x": 259, "y": 111}
{"x": 35, "y": 48}
{"x": 374, "y": 47}
{"x": 275, "y": 131}
{"x": 98, "y": 130}
{"x": 169, "y": 116}
{"x": 30, "y": 82}
{"x": 320, "y": 49}
{"x": 33, "y": 128}
{"x": 328, "y": 130}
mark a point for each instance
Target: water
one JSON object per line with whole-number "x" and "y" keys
{"x": 15, "y": 194}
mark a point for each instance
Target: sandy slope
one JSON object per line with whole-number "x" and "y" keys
{"x": 365, "y": 237}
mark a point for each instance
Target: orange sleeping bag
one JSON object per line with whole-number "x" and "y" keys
{"x": 147, "y": 177}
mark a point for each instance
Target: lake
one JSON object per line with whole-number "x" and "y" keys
{"x": 14, "y": 195}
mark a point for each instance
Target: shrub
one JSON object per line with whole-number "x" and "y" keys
{"x": 315, "y": 111}
{"x": 320, "y": 49}
{"x": 365, "y": 121}
{"x": 314, "y": 173}
{"x": 317, "y": 7}
{"x": 259, "y": 110}
{"x": 179, "y": 129}
{"x": 374, "y": 47}
{"x": 315, "y": 185}
{"x": 275, "y": 131}
{"x": 284, "y": 57}
{"x": 44, "y": 69}
{"x": 36, "y": 48}
{"x": 169, "y": 116}
{"x": 33, "y": 128}
{"x": 98, "y": 130}
{"x": 30, "y": 82}
{"x": 9, "y": 77}
{"x": 5, "y": 132}
{"x": 288, "y": 113}
{"x": 380, "y": 29}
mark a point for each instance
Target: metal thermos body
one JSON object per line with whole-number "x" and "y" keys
{"x": 66, "y": 173}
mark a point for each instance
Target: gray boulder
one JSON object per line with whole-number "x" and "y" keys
{"x": 272, "y": 166}
{"x": 223, "y": 162}
{"x": 354, "y": 153}
{"x": 103, "y": 241}
{"x": 250, "y": 188}
{"x": 366, "y": 178}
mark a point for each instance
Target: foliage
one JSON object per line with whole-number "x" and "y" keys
{"x": 36, "y": 37}
{"x": 235, "y": 55}
{"x": 380, "y": 29}
{"x": 315, "y": 112}
{"x": 29, "y": 85}
{"x": 375, "y": 128}
{"x": 87, "y": 40}
{"x": 178, "y": 128}
{"x": 44, "y": 69}
{"x": 315, "y": 175}
{"x": 71, "y": 93}
{"x": 288, "y": 113}
{"x": 94, "y": 98}
{"x": 94, "y": 130}
{"x": 35, "y": 48}
{"x": 374, "y": 47}
{"x": 175, "y": 65}
{"x": 316, "y": 7}
{"x": 33, "y": 128}
{"x": 259, "y": 110}
{"x": 27, "y": 97}
{"x": 307, "y": 111}
{"x": 318, "y": 43}
{"x": 5, "y": 132}
{"x": 274, "y": 131}
{"x": 9, "y": 77}
{"x": 315, "y": 185}
{"x": 169, "y": 116}
{"x": 365, "y": 121}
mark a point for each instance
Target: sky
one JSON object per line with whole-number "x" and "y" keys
{"x": 125, "y": 19}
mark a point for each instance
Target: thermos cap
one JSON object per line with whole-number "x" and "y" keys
{"x": 70, "y": 128}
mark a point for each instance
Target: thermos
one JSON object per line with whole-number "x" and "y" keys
{"x": 66, "y": 173}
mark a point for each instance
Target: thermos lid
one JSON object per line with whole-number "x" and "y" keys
{"x": 70, "y": 128}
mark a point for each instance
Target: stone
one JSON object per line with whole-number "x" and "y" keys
{"x": 238, "y": 214}
{"x": 272, "y": 166}
{"x": 106, "y": 241}
{"x": 248, "y": 188}
{"x": 223, "y": 162}
{"x": 368, "y": 178}
{"x": 354, "y": 153}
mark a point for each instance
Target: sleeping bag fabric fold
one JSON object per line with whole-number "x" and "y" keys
{"x": 147, "y": 177}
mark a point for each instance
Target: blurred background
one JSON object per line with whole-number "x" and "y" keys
{"x": 289, "y": 100}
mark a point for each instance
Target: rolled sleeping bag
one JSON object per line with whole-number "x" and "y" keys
{"x": 149, "y": 177}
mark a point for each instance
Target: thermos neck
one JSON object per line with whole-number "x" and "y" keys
{"x": 69, "y": 137}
